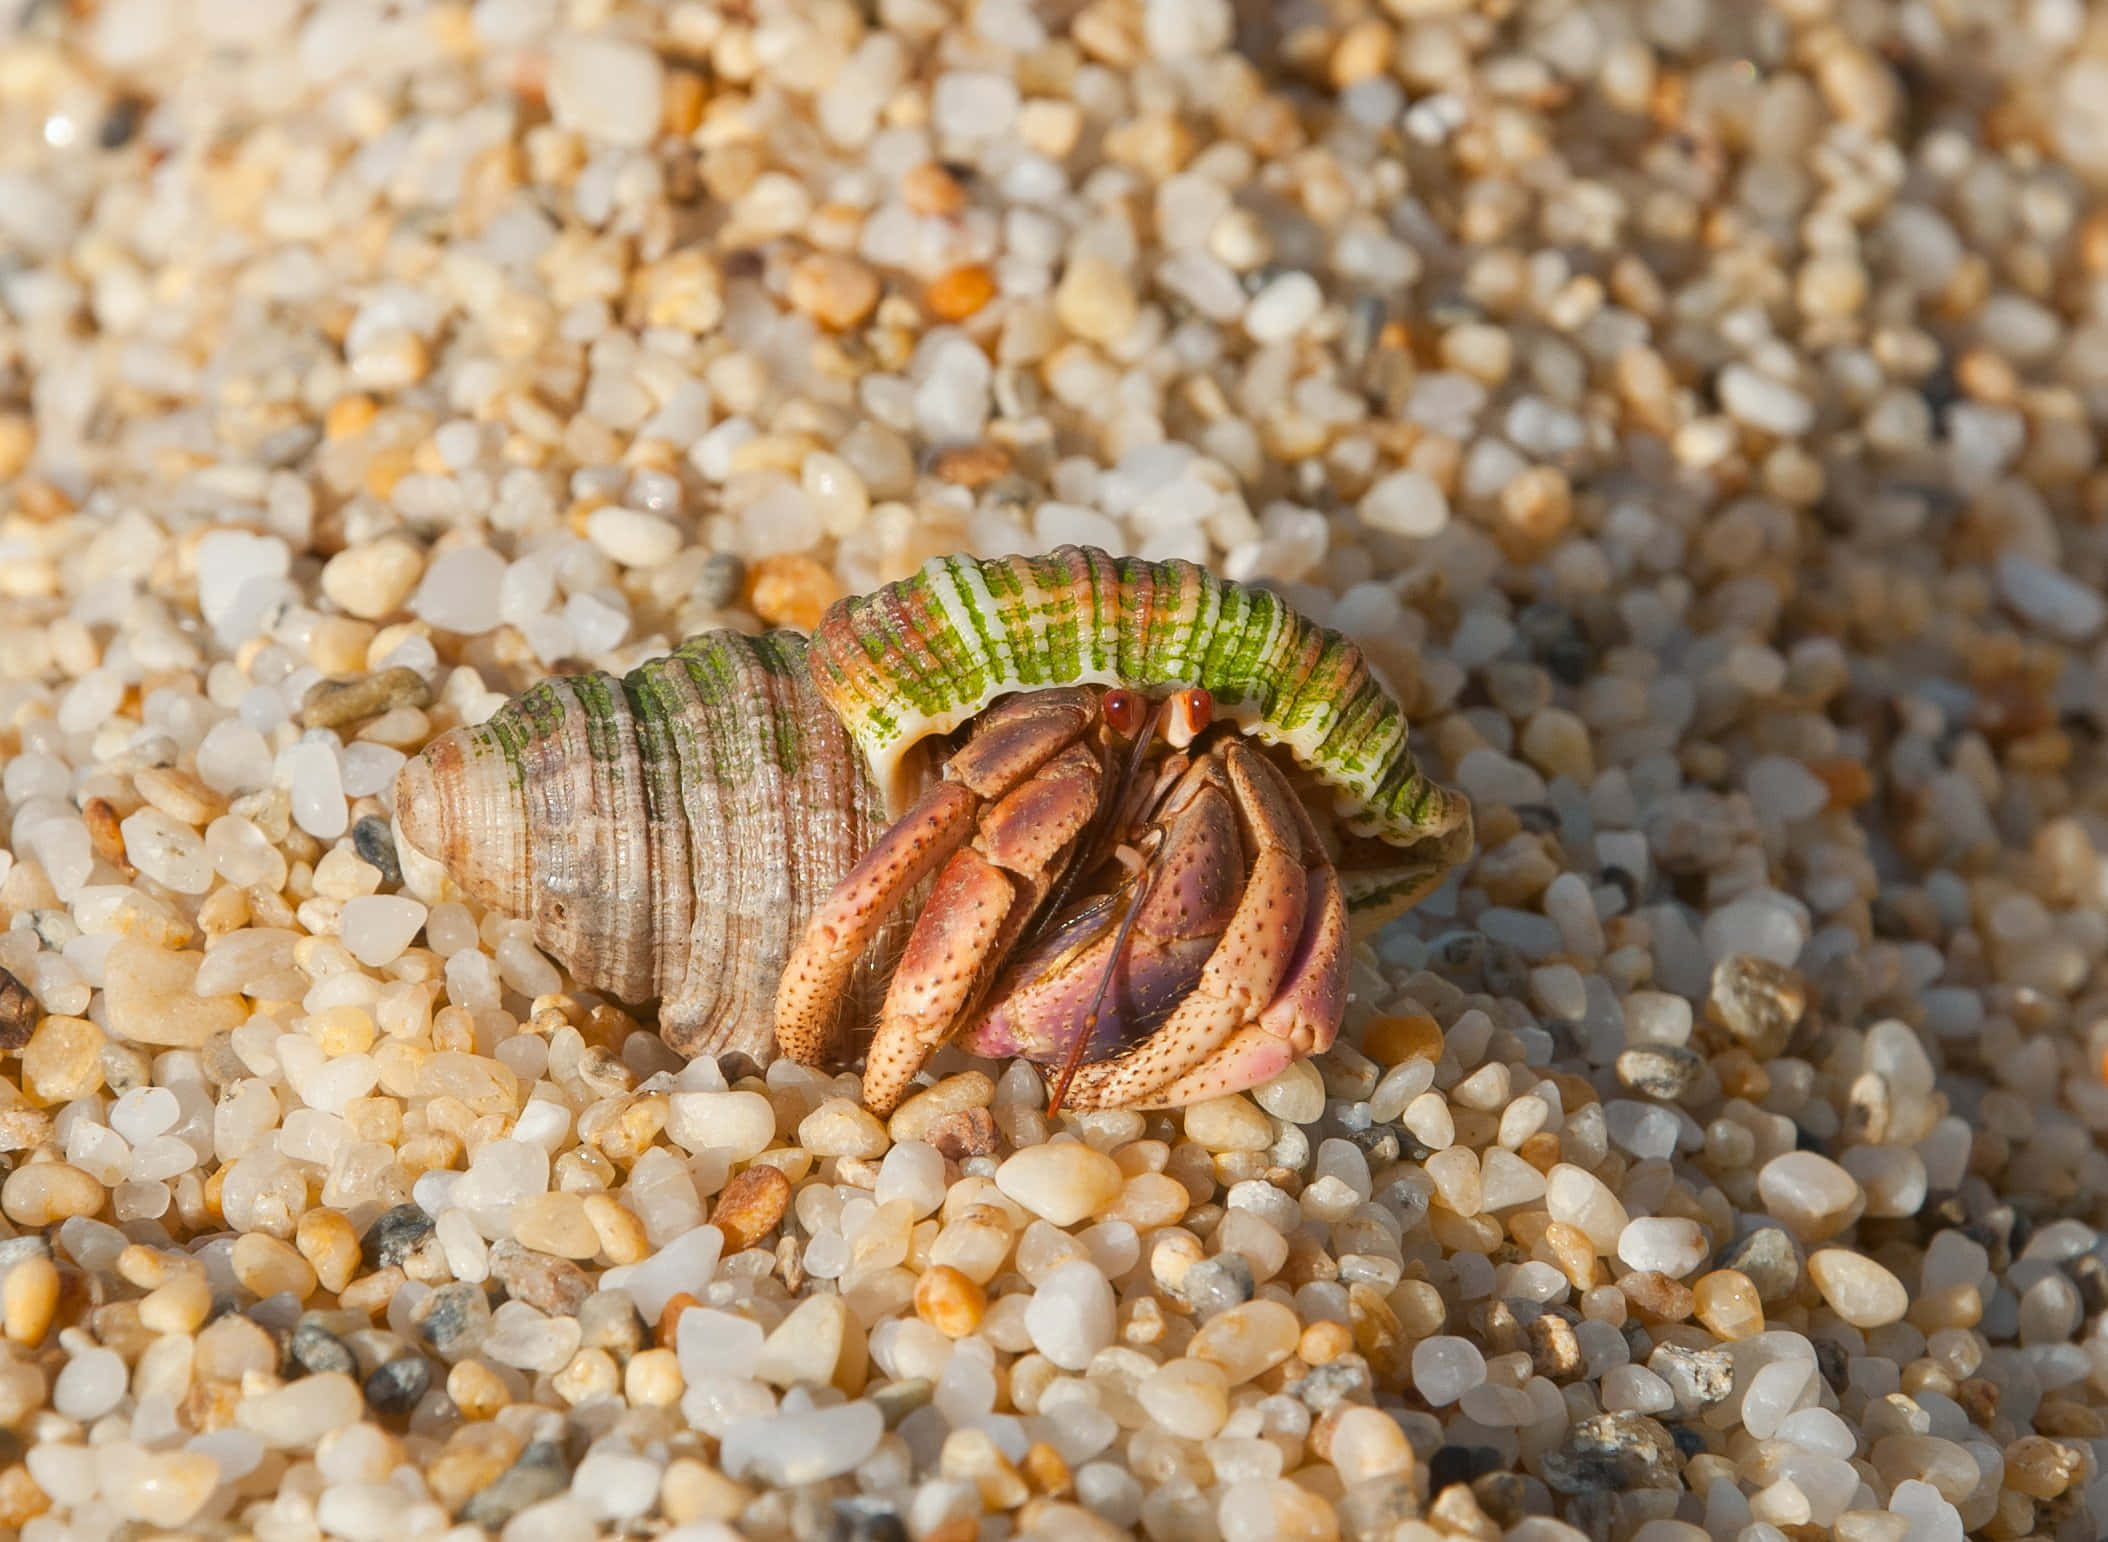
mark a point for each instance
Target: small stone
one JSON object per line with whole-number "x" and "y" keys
{"x": 18, "y": 1013}
{"x": 538, "y": 1474}
{"x": 1727, "y": 1302}
{"x": 29, "y": 1298}
{"x": 1095, "y": 300}
{"x": 1248, "y": 1339}
{"x": 335, "y": 703}
{"x": 1696, "y": 1378}
{"x": 966, "y": 1090}
{"x": 960, "y": 292}
{"x": 1446, "y": 1367}
{"x": 300, "y": 1413}
{"x": 149, "y": 997}
{"x": 45, "y": 1193}
{"x": 1391, "y": 1041}
{"x": 1768, "y": 1259}
{"x": 266, "y": 1267}
{"x": 1284, "y": 306}
{"x": 328, "y": 1242}
{"x": 752, "y": 1205}
{"x": 545, "y": 1282}
{"x": 453, "y": 1319}
{"x": 399, "y": 1385}
{"x": 1809, "y": 1194}
{"x": 949, "y": 1301}
{"x": 1071, "y": 1314}
{"x": 1670, "y": 1245}
{"x": 1578, "y": 1198}
{"x": 739, "y": 1124}
{"x": 835, "y": 290}
{"x": 966, "y": 1132}
{"x": 1295, "y": 1096}
{"x": 165, "y": 1488}
{"x": 555, "y": 1223}
{"x": 1757, "y": 1001}
{"x": 1763, "y": 403}
{"x": 1606, "y": 1453}
{"x": 1862, "y": 1292}
{"x": 395, "y": 1235}
{"x": 1061, "y": 1181}
{"x": 1188, "y": 1398}
{"x": 318, "y": 1351}
{"x": 818, "y": 1343}
{"x": 606, "y": 88}
{"x": 1405, "y": 503}
{"x": 1228, "y": 1124}
{"x": 1664, "y": 1071}
{"x": 2055, "y": 601}
{"x": 62, "y": 1060}
{"x": 791, "y": 589}
{"x": 373, "y": 581}
{"x": 841, "y": 1128}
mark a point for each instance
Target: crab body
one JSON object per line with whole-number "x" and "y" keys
{"x": 930, "y": 817}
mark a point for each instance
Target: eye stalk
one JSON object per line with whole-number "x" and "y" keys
{"x": 1186, "y": 716}
{"x": 1125, "y": 711}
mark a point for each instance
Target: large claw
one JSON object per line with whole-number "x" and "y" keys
{"x": 1274, "y": 986}
{"x": 1022, "y": 789}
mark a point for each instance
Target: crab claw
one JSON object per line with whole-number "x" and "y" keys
{"x": 1275, "y": 985}
{"x": 1050, "y": 995}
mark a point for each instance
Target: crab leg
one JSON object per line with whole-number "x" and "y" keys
{"x": 816, "y": 977}
{"x": 1012, "y": 742}
{"x": 983, "y": 900}
{"x": 1245, "y": 973}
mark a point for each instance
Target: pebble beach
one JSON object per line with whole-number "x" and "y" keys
{"x": 1693, "y": 407}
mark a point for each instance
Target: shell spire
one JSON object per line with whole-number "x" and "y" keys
{"x": 666, "y": 833}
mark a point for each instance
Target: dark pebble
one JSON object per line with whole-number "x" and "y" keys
{"x": 453, "y": 1319}
{"x": 963, "y": 1133}
{"x": 394, "y": 1235}
{"x": 1216, "y": 1284}
{"x": 397, "y": 1387}
{"x": 374, "y": 840}
{"x": 316, "y": 1350}
{"x": 1504, "y": 1496}
{"x": 539, "y": 1474}
{"x": 1613, "y": 1451}
{"x": 18, "y": 1012}
{"x": 1458, "y": 1464}
{"x": 868, "y": 1520}
{"x": 1662, "y": 1071}
{"x": 1771, "y": 1260}
{"x": 338, "y": 703}
{"x": 1689, "y": 1442}
{"x": 1698, "y": 1378}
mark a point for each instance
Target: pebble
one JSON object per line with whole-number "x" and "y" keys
{"x": 1859, "y": 1290}
{"x": 1407, "y": 503}
{"x": 1070, "y": 1315}
{"x": 1095, "y": 300}
{"x": 149, "y": 997}
{"x": 1809, "y": 1194}
{"x": 1247, "y": 1339}
{"x": 1063, "y": 1182}
{"x": 300, "y": 1413}
{"x": 334, "y": 703}
{"x": 842, "y": 1128}
{"x": 751, "y": 1206}
{"x": 373, "y": 580}
{"x": 1228, "y": 1124}
{"x": 606, "y": 88}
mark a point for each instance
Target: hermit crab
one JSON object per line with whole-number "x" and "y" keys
{"x": 1121, "y": 818}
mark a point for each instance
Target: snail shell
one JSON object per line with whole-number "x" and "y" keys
{"x": 670, "y": 833}
{"x": 667, "y": 833}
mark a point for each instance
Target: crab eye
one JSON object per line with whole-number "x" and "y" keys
{"x": 1197, "y": 707}
{"x": 1124, "y": 710}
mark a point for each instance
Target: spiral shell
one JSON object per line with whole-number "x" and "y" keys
{"x": 920, "y": 657}
{"x": 667, "y": 834}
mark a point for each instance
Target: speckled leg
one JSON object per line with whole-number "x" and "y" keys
{"x": 1259, "y": 948}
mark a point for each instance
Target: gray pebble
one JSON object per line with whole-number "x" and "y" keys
{"x": 1664, "y": 1071}
{"x": 316, "y": 1350}
{"x": 539, "y": 1474}
{"x": 1614, "y": 1451}
{"x": 1770, "y": 1259}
